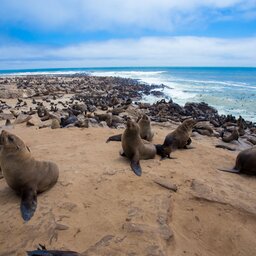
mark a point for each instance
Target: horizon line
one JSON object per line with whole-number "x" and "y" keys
{"x": 120, "y": 67}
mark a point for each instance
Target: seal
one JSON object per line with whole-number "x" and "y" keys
{"x": 241, "y": 126}
{"x": 71, "y": 119}
{"x": 233, "y": 136}
{"x": 178, "y": 139}
{"x": 107, "y": 117}
{"x": 146, "y": 132}
{"x": 25, "y": 175}
{"x": 245, "y": 162}
{"x": 203, "y": 129}
{"x": 134, "y": 148}
{"x": 55, "y": 123}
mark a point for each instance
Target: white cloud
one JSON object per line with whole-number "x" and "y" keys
{"x": 81, "y": 15}
{"x": 147, "y": 51}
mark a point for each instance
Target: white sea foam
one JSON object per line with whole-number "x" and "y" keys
{"x": 127, "y": 74}
{"x": 220, "y": 84}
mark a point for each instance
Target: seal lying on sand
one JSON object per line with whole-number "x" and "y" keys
{"x": 178, "y": 139}
{"x": 23, "y": 173}
{"x": 233, "y": 136}
{"x": 146, "y": 132}
{"x": 135, "y": 148}
{"x": 71, "y": 119}
{"x": 245, "y": 162}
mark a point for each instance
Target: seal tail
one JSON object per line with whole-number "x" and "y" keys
{"x": 28, "y": 204}
{"x": 229, "y": 170}
{"x": 114, "y": 138}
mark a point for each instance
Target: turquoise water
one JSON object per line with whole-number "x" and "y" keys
{"x": 230, "y": 90}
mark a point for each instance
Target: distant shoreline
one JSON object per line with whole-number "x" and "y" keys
{"x": 196, "y": 87}
{"x": 156, "y": 90}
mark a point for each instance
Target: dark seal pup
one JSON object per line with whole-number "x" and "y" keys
{"x": 23, "y": 173}
{"x": 245, "y": 162}
{"x": 135, "y": 148}
{"x": 178, "y": 139}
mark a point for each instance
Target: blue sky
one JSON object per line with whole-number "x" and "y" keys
{"x": 95, "y": 33}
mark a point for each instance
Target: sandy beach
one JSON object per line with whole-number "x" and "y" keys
{"x": 99, "y": 207}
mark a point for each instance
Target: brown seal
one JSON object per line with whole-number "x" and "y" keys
{"x": 24, "y": 174}
{"x": 203, "y": 129}
{"x": 146, "y": 132}
{"x": 241, "y": 126}
{"x": 245, "y": 162}
{"x": 135, "y": 148}
{"x": 233, "y": 136}
{"x": 55, "y": 123}
{"x": 107, "y": 117}
{"x": 178, "y": 139}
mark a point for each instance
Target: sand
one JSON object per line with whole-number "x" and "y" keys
{"x": 99, "y": 207}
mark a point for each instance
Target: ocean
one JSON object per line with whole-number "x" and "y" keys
{"x": 229, "y": 90}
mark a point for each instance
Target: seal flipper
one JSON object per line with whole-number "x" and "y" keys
{"x": 189, "y": 141}
{"x": 28, "y": 203}
{"x": 167, "y": 156}
{"x": 42, "y": 251}
{"x": 135, "y": 165}
{"x": 229, "y": 170}
{"x": 51, "y": 253}
{"x": 114, "y": 138}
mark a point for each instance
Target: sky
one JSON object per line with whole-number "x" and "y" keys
{"x": 116, "y": 33}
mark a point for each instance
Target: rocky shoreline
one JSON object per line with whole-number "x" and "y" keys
{"x": 91, "y": 101}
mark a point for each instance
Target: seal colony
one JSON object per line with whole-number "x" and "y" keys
{"x": 25, "y": 175}
{"x": 100, "y": 102}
